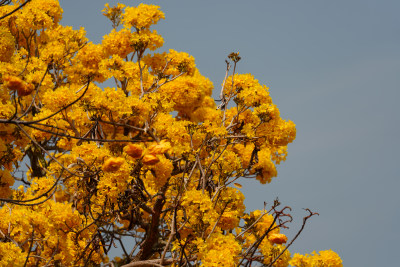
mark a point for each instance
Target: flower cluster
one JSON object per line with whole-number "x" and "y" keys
{"x": 324, "y": 258}
{"x": 16, "y": 84}
{"x": 219, "y": 250}
{"x": 142, "y": 16}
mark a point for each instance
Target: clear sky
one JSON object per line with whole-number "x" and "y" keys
{"x": 333, "y": 67}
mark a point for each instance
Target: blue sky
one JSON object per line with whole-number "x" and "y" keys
{"x": 333, "y": 68}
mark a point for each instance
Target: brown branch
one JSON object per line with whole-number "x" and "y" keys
{"x": 81, "y": 138}
{"x": 30, "y": 247}
{"x": 296, "y": 236}
{"x": 22, "y": 202}
{"x": 252, "y": 249}
{"x": 152, "y": 232}
{"x": 15, "y": 10}
{"x": 171, "y": 236}
{"x": 51, "y": 115}
{"x": 221, "y": 95}
{"x": 45, "y": 151}
{"x": 219, "y": 218}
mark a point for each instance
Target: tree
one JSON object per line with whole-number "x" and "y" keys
{"x": 150, "y": 165}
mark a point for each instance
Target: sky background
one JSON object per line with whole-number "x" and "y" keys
{"x": 332, "y": 68}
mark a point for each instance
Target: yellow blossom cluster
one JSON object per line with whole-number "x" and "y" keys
{"x": 7, "y": 44}
{"x": 39, "y": 15}
{"x": 171, "y": 63}
{"x": 142, "y": 16}
{"x": 231, "y": 208}
{"x": 114, "y": 13}
{"x": 219, "y": 250}
{"x": 199, "y": 212}
{"x": 323, "y": 258}
{"x": 16, "y": 84}
{"x": 118, "y": 43}
{"x": 55, "y": 229}
{"x": 14, "y": 256}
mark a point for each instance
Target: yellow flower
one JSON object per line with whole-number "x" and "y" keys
{"x": 160, "y": 148}
{"x": 112, "y": 164}
{"x": 277, "y": 238}
{"x": 17, "y": 84}
{"x": 237, "y": 185}
{"x": 13, "y": 83}
{"x": 135, "y": 151}
{"x": 150, "y": 159}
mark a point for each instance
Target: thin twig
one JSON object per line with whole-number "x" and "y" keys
{"x": 296, "y": 236}
{"x": 15, "y": 10}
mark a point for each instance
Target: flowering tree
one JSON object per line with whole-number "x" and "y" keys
{"x": 151, "y": 165}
